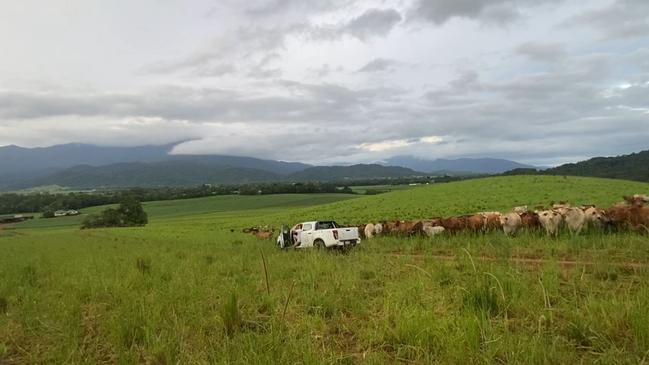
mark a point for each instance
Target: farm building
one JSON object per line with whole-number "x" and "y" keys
{"x": 66, "y": 212}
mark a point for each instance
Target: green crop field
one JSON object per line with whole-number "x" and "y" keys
{"x": 362, "y": 189}
{"x": 226, "y": 205}
{"x": 190, "y": 288}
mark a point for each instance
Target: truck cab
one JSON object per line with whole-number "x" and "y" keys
{"x": 319, "y": 234}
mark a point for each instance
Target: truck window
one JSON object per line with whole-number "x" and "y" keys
{"x": 325, "y": 225}
{"x": 306, "y": 227}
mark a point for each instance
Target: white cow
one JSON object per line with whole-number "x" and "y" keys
{"x": 575, "y": 219}
{"x": 433, "y": 230}
{"x": 520, "y": 210}
{"x": 378, "y": 229}
{"x": 369, "y": 230}
{"x": 550, "y": 220}
{"x": 595, "y": 217}
{"x": 643, "y": 197}
{"x": 510, "y": 222}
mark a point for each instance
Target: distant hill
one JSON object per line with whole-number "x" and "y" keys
{"x": 461, "y": 165}
{"x": 187, "y": 172}
{"x": 151, "y": 174}
{"x": 630, "y": 167}
{"x": 19, "y": 164}
{"x": 360, "y": 171}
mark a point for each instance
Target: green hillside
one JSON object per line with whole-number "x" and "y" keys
{"x": 632, "y": 167}
{"x": 493, "y": 193}
{"x": 190, "y": 287}
{"x": 218, "y": 205}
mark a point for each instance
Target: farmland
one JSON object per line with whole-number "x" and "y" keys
{"x": 186, "y": 289}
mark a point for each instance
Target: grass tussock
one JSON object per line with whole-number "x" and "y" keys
{"x": 143, "y": 265}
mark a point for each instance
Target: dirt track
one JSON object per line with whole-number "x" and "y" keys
{"x": 525, "y": 260}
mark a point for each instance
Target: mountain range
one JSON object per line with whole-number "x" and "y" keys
{"x": 461, "y": 165}
{"x": 90, "y": 166}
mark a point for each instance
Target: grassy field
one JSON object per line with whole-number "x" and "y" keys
{"x": 224, "y": 205}
{"x": 362, "y": 189}
{"x": 185, "y": 289}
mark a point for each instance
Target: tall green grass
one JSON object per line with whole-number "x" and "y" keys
{"x": 186, "y": 289}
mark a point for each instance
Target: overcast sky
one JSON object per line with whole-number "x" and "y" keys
{"x": 330, "y": 81}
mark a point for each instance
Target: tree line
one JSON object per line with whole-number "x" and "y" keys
{"x": 50, "y": 202}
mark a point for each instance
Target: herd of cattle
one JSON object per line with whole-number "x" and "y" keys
{"x": 630, "y": 214}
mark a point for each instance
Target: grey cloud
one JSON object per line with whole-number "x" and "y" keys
{"x": 315, "y": 102}
{"x": 265, "y": 8}
{"x": 379, "y": 65}
{"x": 497, "y": 11}
{"x": 640, "y": 58}
{"x": 536, "y": 117}
{"x": 372, "y": 23}
{"x": 251, "y": 48}
{"x": 541, "y": 51}
{"x": 257, "y": 41}
{"x": 325, "y": 70}
{"x": 621, "y": 19}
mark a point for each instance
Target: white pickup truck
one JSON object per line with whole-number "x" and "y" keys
{"x": 318, "y": 234}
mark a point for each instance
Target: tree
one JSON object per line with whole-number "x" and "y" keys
{"x": 48, "y": 213}
{"x": 129, "y": 214}
{"x": 132, "y": 213}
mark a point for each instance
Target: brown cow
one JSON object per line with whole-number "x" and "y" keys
{"x": 361, "y": 230}
{"x": 475, "y": 223}
{"x": 530, "y": 221}
{"x": 417, "y": 229}
{"x": 491, "y": 221}
{"x": 390, "y": 227}
{"x": 618, "y": 216}
{"x": 408, "y": 227}
{"x": 454, "y": 224}
{"x": 264, "y": 235}
{"x": 638, "y": 214}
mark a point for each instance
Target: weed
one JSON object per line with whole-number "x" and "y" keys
{"x": 30, "y": 275}
{"x": 231, "y": 316}
{"x": 143, "y": 265}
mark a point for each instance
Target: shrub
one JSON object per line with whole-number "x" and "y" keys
{"x": 129, "y": 214}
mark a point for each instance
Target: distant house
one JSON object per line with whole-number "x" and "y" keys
{"x": 66, "y": 212}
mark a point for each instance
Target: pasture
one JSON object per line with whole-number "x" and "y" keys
{"x": 186, "y": 289}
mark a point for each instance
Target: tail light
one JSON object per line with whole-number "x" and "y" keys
{"x": 335, "y": 234}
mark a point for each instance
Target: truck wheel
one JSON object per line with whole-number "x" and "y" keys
{"x": 319, "y": 244}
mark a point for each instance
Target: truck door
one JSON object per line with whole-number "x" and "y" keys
{"x": 306, "y": 236}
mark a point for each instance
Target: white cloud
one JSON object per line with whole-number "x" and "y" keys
{"x": 385, "y": 145}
